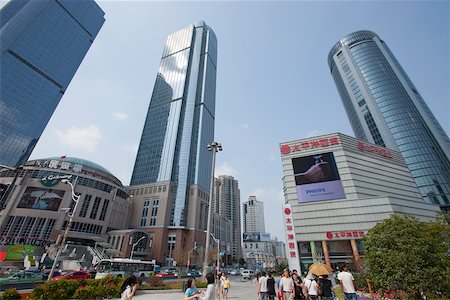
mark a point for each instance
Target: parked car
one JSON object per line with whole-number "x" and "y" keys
{"x": 193, "y": 273}
{"x": 20, "y": 279}
{"x": 78, "y": 275}
{"x": 247, "y": 274}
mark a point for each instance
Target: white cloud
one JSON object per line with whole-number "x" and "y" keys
{"x": 225, "y": 169}
{"x": 85, "y": 138}
{"x": 120, "y": 116}
{"x": 314, "y": 133}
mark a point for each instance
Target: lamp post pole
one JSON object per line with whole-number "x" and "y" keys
{"x": 134, "y": 245}
{"x": 75, "y": 198}
{"x": 214, "y": 147}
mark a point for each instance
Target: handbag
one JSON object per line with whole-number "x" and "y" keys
{"x": 320, "y": 288}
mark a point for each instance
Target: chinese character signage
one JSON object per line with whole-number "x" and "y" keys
{"x": 345, "y": 234}
{"x": 291, "y": 241}
{"x": 311, "y": 144}
{"x": 62, "y": 165}
{"x": 317, "y": 178}
{"x": 369, "y": 148}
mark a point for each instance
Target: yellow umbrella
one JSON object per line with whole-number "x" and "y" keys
{"x": 320, "y": 269}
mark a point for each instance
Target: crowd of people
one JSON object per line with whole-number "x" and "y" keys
{"x": 292, "y": 286}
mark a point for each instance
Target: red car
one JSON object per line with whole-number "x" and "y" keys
{"x": 78, "y": 275}
{"x": 167, "y": 273}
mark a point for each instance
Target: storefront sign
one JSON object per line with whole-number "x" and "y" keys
{"x": 369, "y": 148}
{"x": 291, "y": 241}
{"x": 345, "y": 234}
{"x": 62, "y": 165}
{"x": 311, "y": 144}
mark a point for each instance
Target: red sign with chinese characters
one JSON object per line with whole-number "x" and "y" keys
{"x": 345, "y": 234}
{"x": 311, "y": 144}
{"x": 369, "y": 148}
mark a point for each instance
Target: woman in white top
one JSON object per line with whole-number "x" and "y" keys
{"x": 210, "y": 292}
{"x": 128, "y": 288}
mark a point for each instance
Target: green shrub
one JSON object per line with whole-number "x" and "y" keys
{"x": 58, "y": 289}
{"x": 87, "y": 292}
{"x": 10, "y": 294}
{"x": 360, "y": 281}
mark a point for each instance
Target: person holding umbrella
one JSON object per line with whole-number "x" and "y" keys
{"x": 322, "y": 288}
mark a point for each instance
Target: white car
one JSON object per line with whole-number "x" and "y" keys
{"x": 234, "y": 272}
{"x": 247, "y": 274}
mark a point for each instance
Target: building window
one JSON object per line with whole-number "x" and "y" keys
{"x": 48, "y": 229}
{"x": 95, "y": 207}
{"x": 104, "y": 210}
{"x": 155, "y": 206}
{"x": 170, "y": 245}
{"x": 145, "y": 212}
{"x": 85, "y": 206}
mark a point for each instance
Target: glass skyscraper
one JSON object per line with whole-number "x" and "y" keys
{"x": 180, "y": 117}
{"x": 385, "y": 108}
{"x": 42, "y": 45}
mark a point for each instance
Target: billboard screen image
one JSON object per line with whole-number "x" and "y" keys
{"x": 40, "y": 198}
{"x": 317, "y": 178}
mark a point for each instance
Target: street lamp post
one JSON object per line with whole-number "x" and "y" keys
{"x": 214, "y": 147}
{"x": 75, "y": 198}
{"x": 134, "y": 245}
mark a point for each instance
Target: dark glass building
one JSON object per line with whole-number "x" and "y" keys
{"x": 42, "y": 45}
{"x": 180, "y": 118}
{"x": 385, "y": 108}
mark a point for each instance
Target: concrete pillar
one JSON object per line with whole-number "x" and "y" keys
{"x": 313, "y": 251}
{"x": 355, "y": 252}
{"x": 325, "y": 253}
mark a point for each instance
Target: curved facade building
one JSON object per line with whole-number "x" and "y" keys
{"x": 33, "y": 212}
{"x": 385, "y": 108}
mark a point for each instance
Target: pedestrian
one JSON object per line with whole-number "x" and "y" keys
{"x": 324, "y": 288}
{"x": 311, "y": 286}
{"x": 280, "y": 291}
{"x": 263, "y": 291}
{"x": 218, "y": 285}
{"x": 128, "y": 288}
{"x": 299, "y": 288}
{"x": 287, "y": 286}
{"x": 257, "y": 285}
{"x": 210, "y": 288}
{"x": 192, "y": 291}
{"x": 346, "y": 281}
{"x": 225, "y": 286}
{"x": 271, "y": 286}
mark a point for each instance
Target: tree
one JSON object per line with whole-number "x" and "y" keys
{"x": 402, "y": 253}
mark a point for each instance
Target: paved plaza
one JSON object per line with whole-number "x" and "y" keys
{"x": 238, "y": 290}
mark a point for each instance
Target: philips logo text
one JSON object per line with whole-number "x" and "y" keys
{"x": 314, "y": 191}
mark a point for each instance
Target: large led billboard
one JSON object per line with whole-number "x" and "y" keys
{"x": 317, "y": 178}
{"x": 40, "y": 198}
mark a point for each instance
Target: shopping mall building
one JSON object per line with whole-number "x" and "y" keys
{"x": 34, "y": 212}
{"x": 336, "y": 188}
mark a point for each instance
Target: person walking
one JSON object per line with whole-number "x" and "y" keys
{"x": 324, "y": 289}
{"x": 210, "y": 288}
{"x": 287, "y": 286}
{"x": 263, "y": 291}
{"x": 192, "y": 291}
{"x": 346, "y": 281}
{"x": 299, "y": 288}
{"x": 311, "y": 285}
{"x": 128, "y": 288}
{"x": 257, "y": 285}
{"x": 280, "y": 291}
{"x": 271, "y": 286}
{"x": 225, "y": 286}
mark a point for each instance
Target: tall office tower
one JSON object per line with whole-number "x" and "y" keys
{"x": 253, "y": 216}
{"x": 42, "y": 46}
{"x": 229, "y": 202}
{"x": 173, "y": 148}
{"x": 385, "y": 108}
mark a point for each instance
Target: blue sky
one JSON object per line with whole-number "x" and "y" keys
{"x": 273, "y": 81}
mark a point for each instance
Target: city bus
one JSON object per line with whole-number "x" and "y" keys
{"x": 122, "y": 267}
